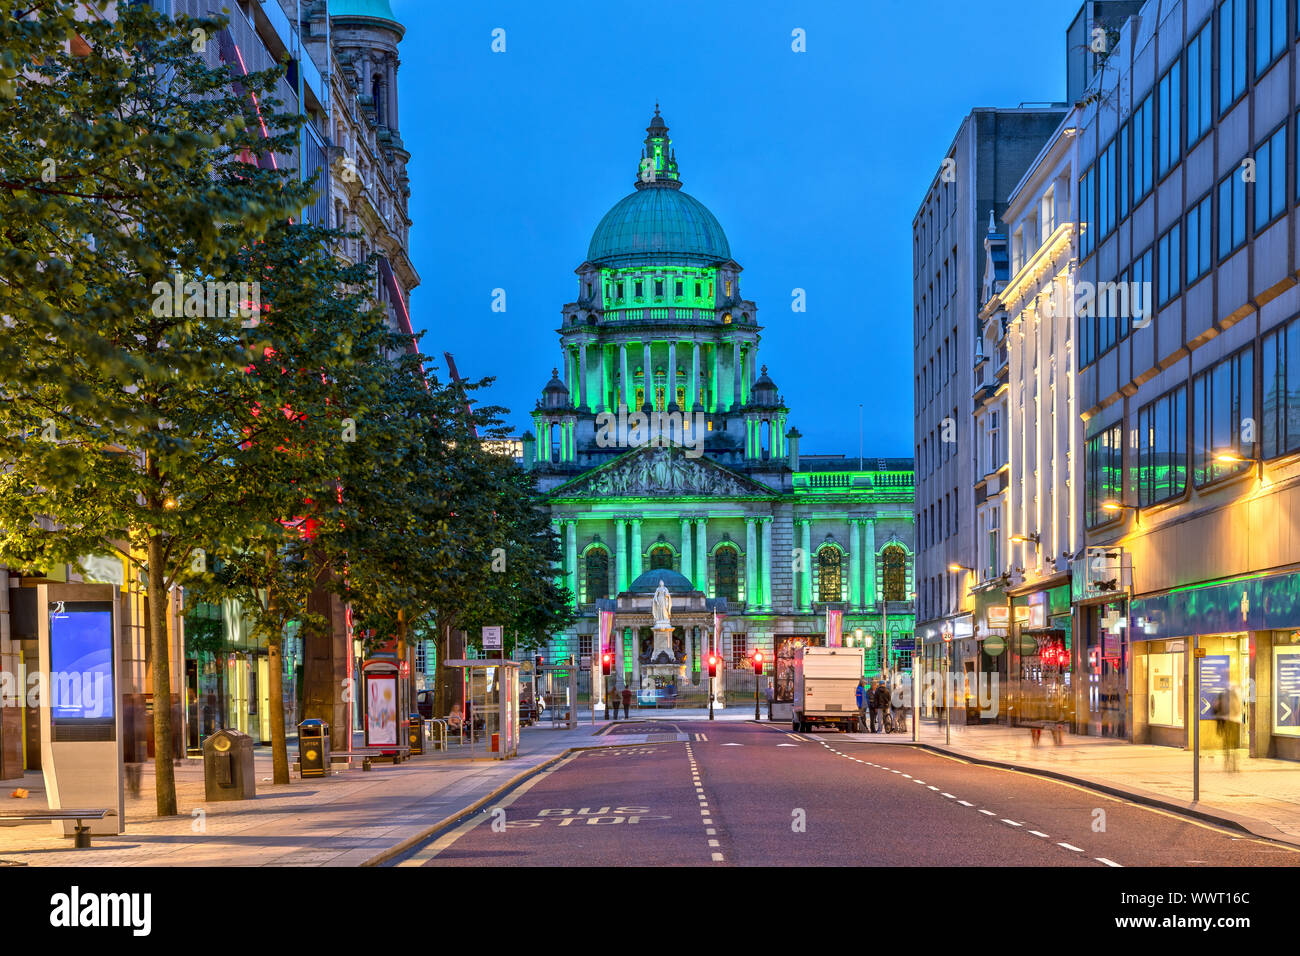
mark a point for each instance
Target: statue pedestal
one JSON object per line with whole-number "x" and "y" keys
{"x": 663, "y": 639}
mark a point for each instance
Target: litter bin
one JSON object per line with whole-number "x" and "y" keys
{"x": 415, "y": 736}
{"x": 314, "y": 748}
{"x": 228, "y": 766}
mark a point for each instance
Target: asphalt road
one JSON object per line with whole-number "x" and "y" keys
{"x": 757, "y": 795}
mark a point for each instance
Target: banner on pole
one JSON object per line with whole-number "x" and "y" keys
{"x": 834, "y": 628}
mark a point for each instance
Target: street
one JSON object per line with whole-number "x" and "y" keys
{"x": 745, "y": 794}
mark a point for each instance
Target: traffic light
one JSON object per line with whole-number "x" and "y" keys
{"x": 713, "y": 665}
{"x": 758, "y": 662}
{"x": 606, "y": 663}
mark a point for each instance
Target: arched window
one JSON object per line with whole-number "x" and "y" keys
{"x": 597, "y": 574}
{"x": 379, "y": 92}
{"x": 727, "y": 581}
{"x": 893, "y": 573}
{"x": 828, "y": 562}
{"x": 661, "y": 558}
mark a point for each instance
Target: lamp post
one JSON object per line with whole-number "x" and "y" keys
{"x": 947, "y": 704}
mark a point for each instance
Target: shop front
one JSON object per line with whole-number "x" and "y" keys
{"x": 1041, "y": 653}
{"x": 1248, "y": 632}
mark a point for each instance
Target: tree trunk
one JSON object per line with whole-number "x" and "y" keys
{"x": 164, "y": 776}
{"x": 279, "y": 747}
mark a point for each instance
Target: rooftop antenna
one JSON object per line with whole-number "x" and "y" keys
{"x": 859, "y": 436}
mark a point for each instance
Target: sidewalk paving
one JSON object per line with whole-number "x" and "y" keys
{"x": 1262, "y": 796}
{"x": 351, "y": 818}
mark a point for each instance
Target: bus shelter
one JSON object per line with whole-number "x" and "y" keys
{"x": 554, "y": 694}
{"x": 491, "y": 694}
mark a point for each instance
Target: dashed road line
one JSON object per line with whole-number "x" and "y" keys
{"x": 1102, "y": 859}
{"x": 1071, "y": 846}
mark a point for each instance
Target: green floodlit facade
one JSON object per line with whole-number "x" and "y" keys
{"x": 664, "y": 449}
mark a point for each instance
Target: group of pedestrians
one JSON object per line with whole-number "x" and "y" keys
{"x": 615, "y": 698}
{"x": 877, "y": 712}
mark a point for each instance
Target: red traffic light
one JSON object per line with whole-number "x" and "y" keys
{"x": 713, "y": 665}
{"x": 606, "y": 663}
{"x": 758, "y": 662}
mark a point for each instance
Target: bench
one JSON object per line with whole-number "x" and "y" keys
{"x": 366, "y": 756}
{"x": 81, "y": 836}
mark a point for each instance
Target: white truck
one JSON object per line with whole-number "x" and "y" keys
{"x": 825, "y": 687}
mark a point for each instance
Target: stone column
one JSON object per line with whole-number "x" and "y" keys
{"x": 869, "y": 563}
{"x": 557, "y": 528}
{"x": 671, "y": 398}
{"x": 767, "y": 563}
{"x": 702, "y": 549}
{"x": 602, "y": 405}
{"x": 735, "y": 374}
{"x": 636, "y": 550}
{"x": 647, "y": 376}
{"x": 855, "y": 563}
{"x": 751, "y": 563}
{"x": 572, "y": 542}
{"x": 805, "y": 584}
{"x": 688, "y": 565}
{"x": 620, "y": 552}
{"x": 584, "y": 398}
{"x": 692, "y": 399}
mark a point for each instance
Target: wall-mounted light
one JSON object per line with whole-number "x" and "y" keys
{"x": 1232, "y": 457}
{"x": 1027, "y": 537}
{"x": 958, "y": 568}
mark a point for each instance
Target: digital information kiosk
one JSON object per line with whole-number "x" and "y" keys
{"x": 81, "y": 701}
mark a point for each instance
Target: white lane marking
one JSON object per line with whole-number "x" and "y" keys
{"x": 787, "y": 745}
{"x": 710, "y": 831}
{"x": 707, "y": 821}
{"x": 1011, "y": 823}
{"x": 935, "y": 789}
{"x": 717, "y": 858}
{"x": 988, "y": 813}
{"x": 733, "y": 745}
{"x": 1102, "y": 859}
{"x": 714, "y": 843}
{"x": 966, "y": 803}
{"x": 907, "y": 775}
{"x": 1071, "y": 847}
{"x": 949, "y": 796}
{"x": 1038, "y": 833}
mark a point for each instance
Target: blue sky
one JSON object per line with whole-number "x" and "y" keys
{"x": 813, "y": 162}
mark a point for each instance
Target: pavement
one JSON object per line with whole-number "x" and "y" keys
{"x": 1261, "y": 796}
{"x": 351, "y": 818}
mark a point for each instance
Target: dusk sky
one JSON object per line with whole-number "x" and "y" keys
{"x": 814, "y": 163}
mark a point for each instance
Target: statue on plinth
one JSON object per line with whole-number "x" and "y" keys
{"x": 662, "y": 606}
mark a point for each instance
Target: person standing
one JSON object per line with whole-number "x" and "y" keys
{"x": 611, "y": 704}
{"x": 871, "y": 707}
{"x": 627, "y": 700}
{"x": 862, "y": 703}
{"x": 882, "y": 705}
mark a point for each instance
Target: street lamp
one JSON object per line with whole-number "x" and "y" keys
{"x": 1232, "y": 457}
{"x": 1026, "y": 538}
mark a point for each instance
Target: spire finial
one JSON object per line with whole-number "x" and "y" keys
{"x": 992, "y": 228}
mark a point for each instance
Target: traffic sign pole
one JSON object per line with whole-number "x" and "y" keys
{"x": 1196, "y": 729}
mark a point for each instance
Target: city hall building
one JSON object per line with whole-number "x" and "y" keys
{"x": 665, "y": 451}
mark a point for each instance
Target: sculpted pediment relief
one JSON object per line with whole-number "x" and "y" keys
{"x": 662, "y": 471}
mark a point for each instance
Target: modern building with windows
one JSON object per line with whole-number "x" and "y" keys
{"x": 987, "y": 157}
{"x": 665, "y": 452}
{"x": 1187, "y": 138}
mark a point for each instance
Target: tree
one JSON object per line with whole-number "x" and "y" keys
{"x": 323, "y": 360}
{"x": 126, "y": 182}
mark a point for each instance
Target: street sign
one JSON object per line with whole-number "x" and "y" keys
{"x": 1214, "y": 684}
{"x": 1286, "y": 676}
{"x": 492, "y": 638}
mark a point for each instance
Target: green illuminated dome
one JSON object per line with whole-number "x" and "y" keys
{"x": 658, "y": 223}
{"x": 379, "y": 9}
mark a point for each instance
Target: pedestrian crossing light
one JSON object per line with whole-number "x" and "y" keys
{"x": 713, "y": 665}
{"x": 606, "y": 663}
{"x": 758, "y": 662}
